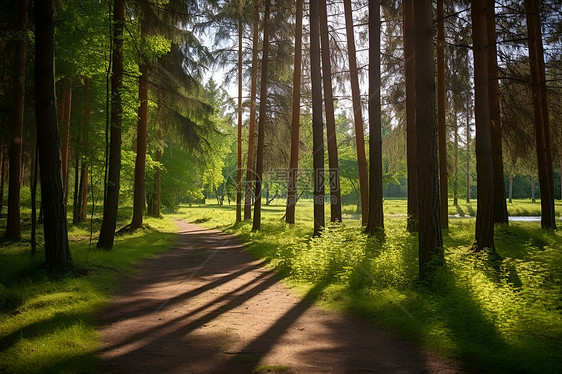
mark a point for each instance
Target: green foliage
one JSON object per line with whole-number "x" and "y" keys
{"x": 495, "y": 312}
{"x": 127, "y": 182}
{"x": 181, "y": 177}
{"x": 81, "y": 38}
{"x": 190, "y": 167}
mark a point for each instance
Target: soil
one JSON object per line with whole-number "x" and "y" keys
{"x": 206, "y": 306}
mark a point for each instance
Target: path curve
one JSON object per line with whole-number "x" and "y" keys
{"x": 206, "y": 307}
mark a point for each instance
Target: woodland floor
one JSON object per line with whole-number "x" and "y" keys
{"x": 206, "y": 306}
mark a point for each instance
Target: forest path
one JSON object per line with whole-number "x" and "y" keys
{"x": 206, "y": 307}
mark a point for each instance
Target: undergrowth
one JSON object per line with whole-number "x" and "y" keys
{"x": 493, "y": 312}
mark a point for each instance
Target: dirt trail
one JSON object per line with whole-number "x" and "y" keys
{"x": 206, "y": 307}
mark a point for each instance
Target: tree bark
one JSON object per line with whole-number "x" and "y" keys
{"x": 76, "y": 199}
{"x": 468, "y": 140}
{"x": 250, "y": 174}
{"x": 510, "y": 187}
{"x": 239, "y": 155}
{"x": 107, "y": 232}
{"x": 441, "y": 119}
{"x": 484, "y": 237}
{"x": 22, "y": 169}
{"x": 261, "y": 125}
{"x": 533, "y": 195}
{"x": 375, "y": 220}
{"x": 33, "y": 191}
{"x": 57, "y": 253}
{"x": 456, "y": 162}
{"x": 66, "y": 138}
{"x": 83, "y": 194}
{"x": 317, "y": 127}
{"x": 295, "y": 120}
{"x": 13, "y": 224}
{"x": 541, "y": 116}
{"x": 333, "y": 173}
{"x": 357, "y": 114}
{"x": 430, "y": 240}
{"x": 139, "y": 197}
{"x": 2, "y": 174}
{"x": 411, "y": 137}
{"x": 499, "y": 206}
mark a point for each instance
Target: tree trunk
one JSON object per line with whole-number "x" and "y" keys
{"x": 468, "y": 140}
{"x": 541, "y": 116}
{"x": 510, "y": 188}
{"x": 430, "y": 240}
{"x": 261, "y": 124}
{"x": 484, "y": 237}
{"x": 333, "y": 174}
{"x": 34, "y": 201}
{"x": 357, "y": 114}
{"x": 317, "y": 127}
{"x": 411, "y": 137}
{"x": 22, "y": 169}
{"x": 107, "y": 232}
{"x": 456, "y": 162}
{"x": 66, "y": 139}
{"x": 250, "y": 174}
{"x": 83, "y": 194}
{"x": 499, "y": 205}
{"x": 239, "y": 155}
{"x": 2, "y": 174}
{"x": 295, "y": 125}
{"x": 441, "y": 119}
{"x": 533, "y": 194}
{"x": 13, "y": 224}
{"x": 139, "y": 197}
{"x": 76, "y": 199}
{"x": 57, "y": 253}
{"x": 375, "y": 220}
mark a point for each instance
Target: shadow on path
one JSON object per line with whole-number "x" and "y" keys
{"x": 207, "y": 307}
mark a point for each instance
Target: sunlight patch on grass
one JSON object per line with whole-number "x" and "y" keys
{"x": 499, "y": 313}
{"x": 46, "y": 322}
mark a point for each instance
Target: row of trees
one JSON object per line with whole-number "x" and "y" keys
{"x": 104, "y": 53}
{"x": 137, "y": 67}
{"x": 426, "y": 114}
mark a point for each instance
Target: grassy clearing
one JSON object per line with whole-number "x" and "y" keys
{"x": 519, "y": 207}
{"x": 47, "y": 323}
{"x": 399, "y": 206}
{"x": 494, "y": 315}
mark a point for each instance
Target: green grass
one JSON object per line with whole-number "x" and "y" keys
{"x": 493, "y": 314}
{"x": 399, "y": 206}
{"x": 519, "y": 207}
{"x": 503, "y": 315}
{"x": 47, "y": 322}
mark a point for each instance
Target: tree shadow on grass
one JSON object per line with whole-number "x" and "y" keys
{"x": 476, "y": 339}
{"x": 460, "y": 212}
{"x": 187, "y": 342}
{"x": 43, "y": 327}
